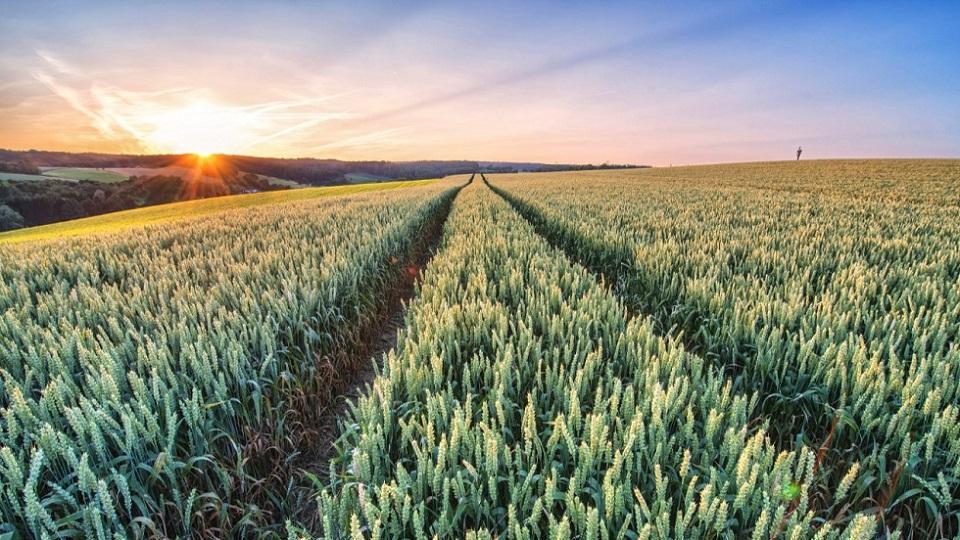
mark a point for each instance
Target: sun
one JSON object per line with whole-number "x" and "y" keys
{"x": 201, "y": 128}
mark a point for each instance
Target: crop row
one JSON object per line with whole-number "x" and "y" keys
{"x": 159, "y": 382}
{"x": 522, "y": 401}
{"x": 840, "y": 308}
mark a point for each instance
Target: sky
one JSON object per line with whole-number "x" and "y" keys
{"x": 653, "y": 83}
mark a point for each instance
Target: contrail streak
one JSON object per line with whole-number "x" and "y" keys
{"x": 714, "y": 26}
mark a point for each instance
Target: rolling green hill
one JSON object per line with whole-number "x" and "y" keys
{"x": 19, "y": 177}
{"x": 84, "y": 173}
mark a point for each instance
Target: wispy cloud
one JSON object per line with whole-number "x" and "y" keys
{"x": 366, "y": 140}
{"x": 56, "y": 63}
{"x": 15, "y": 84}
{"x": 182, "y": 119}
{"x": 316, "y": 120}
{"x": 75, "y": 99}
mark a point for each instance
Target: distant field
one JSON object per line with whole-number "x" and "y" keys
{"x": 120, "y": 174}
{"x": 31, "y": 177}
{"x": 172, "y": 170}
{"x": 85, "y": 173}
{"x": 106, "y": 175}
{"x": 168, "y": 212}
{"x": 362, "y": 178}
{"x": 274, "y": 181}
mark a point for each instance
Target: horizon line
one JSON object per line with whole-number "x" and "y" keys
{"x": 556, "y": 163}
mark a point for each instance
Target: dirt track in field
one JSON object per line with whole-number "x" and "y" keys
{"x": 381, "y": 337}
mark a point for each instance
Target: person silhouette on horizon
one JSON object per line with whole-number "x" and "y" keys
{"x": 799, "y": 151}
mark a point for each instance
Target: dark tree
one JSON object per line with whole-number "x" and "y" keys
{"x": 19, "y": 166}
{"x": 9, "y": 218}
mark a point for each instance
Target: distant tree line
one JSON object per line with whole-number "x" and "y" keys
{"x": 69, "y": 159}
{"x": 18, "y": 166}
{"x": 333, "y": 171}
{"x": 25, "y": 204}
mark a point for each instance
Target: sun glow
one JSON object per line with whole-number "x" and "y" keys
{"x": 201, "y": 128}
{"x": 188, "y": 120}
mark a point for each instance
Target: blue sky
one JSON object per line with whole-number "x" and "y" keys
{"x": 652, "y": 83}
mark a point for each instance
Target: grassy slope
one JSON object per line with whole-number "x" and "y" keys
{"x": 111, "y": 175}
{"x": 274, "y": 181}
{"x": 168, "y": 212}
{"x": 889, "y": 179}
{"x": 17, "y": 177}
{"x": 355, "y": 178}
{"x": 81, "y": 173}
